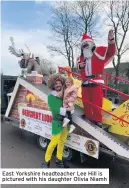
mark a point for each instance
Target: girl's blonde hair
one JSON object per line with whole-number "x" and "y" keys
{"x": 70, "y": 79}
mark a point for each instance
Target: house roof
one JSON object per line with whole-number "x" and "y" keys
{"x": 39, "y": 90}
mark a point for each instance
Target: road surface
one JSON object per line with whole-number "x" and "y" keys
{"x": 19, "y": 150}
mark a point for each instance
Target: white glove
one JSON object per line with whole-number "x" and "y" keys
{"x": 72, "y": 111}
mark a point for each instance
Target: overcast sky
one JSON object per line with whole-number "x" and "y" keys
{"x": 27, "y": 22}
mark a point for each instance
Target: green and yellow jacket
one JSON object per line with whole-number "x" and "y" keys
{"x": 55, "y": 105}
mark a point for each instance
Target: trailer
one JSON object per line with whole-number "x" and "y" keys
{"x": 28, "y": 110}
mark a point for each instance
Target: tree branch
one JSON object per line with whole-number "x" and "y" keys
{"x": 58, "y": 50}
{"x": 124, "y": 50}
{"x": 119, "y": 17}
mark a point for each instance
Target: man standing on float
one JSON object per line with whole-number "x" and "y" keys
{"x": 59, "y": 133}
{"x": 91, "y": 65}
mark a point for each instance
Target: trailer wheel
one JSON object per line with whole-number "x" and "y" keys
{"x": 67, "y": 153}
{"x": 42, "y": 142}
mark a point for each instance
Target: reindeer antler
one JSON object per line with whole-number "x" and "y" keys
{"x": 27, "y": 48}
{"x": 13, "y": 50}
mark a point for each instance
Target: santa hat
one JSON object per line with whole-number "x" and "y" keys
{"x": 86, "y": 38}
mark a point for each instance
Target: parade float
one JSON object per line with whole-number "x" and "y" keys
{"x": 28, "y": 110}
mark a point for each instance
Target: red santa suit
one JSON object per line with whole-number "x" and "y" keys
{"x": 93, "y": 70}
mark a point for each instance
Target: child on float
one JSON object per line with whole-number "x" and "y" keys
{"x": 69, "y": 95}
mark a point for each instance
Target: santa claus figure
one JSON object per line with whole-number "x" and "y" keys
{"x": 91, "y": 65}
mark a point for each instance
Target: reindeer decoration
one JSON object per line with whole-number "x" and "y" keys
{"x": 31, "y": 63}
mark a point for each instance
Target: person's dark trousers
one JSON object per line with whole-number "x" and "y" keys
{"x": 69, "y": 116}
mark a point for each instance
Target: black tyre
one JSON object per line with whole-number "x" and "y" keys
{"x": 42, "y": 142}
{"x": 68, "y": 153}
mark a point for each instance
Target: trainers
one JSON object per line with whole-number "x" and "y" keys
{"x": 65, "y": 122}
{"x": 83, "y": 116}
{"x": 72, "y": 127}
{"x": 61, "y": 164}
{"x": 106, "y": 129}
{"x": 46, "y": 164}
{"x": 99, "y": 124}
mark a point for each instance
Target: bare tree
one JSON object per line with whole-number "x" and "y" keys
{"x": 87, "y": 16}
{"x": 48, "y": 64}
{"x": 69, "y": 21}
{"x": 118, "y": 15}
{"x": 127, "y": 71}
{"x": 63, "y": 32}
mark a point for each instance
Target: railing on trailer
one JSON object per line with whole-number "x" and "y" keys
{"x": 104, "y": 86}
{"x": 108, "y": 75}
{"x": 118, "y": 78}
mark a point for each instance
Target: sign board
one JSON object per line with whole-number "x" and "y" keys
{"x": 39, "y": 122}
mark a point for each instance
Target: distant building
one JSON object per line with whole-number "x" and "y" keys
{"x": 124, "y": 70}
{"x": 123, "y": 73}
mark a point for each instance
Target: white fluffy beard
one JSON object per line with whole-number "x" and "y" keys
{"x": 87, "y": 53}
